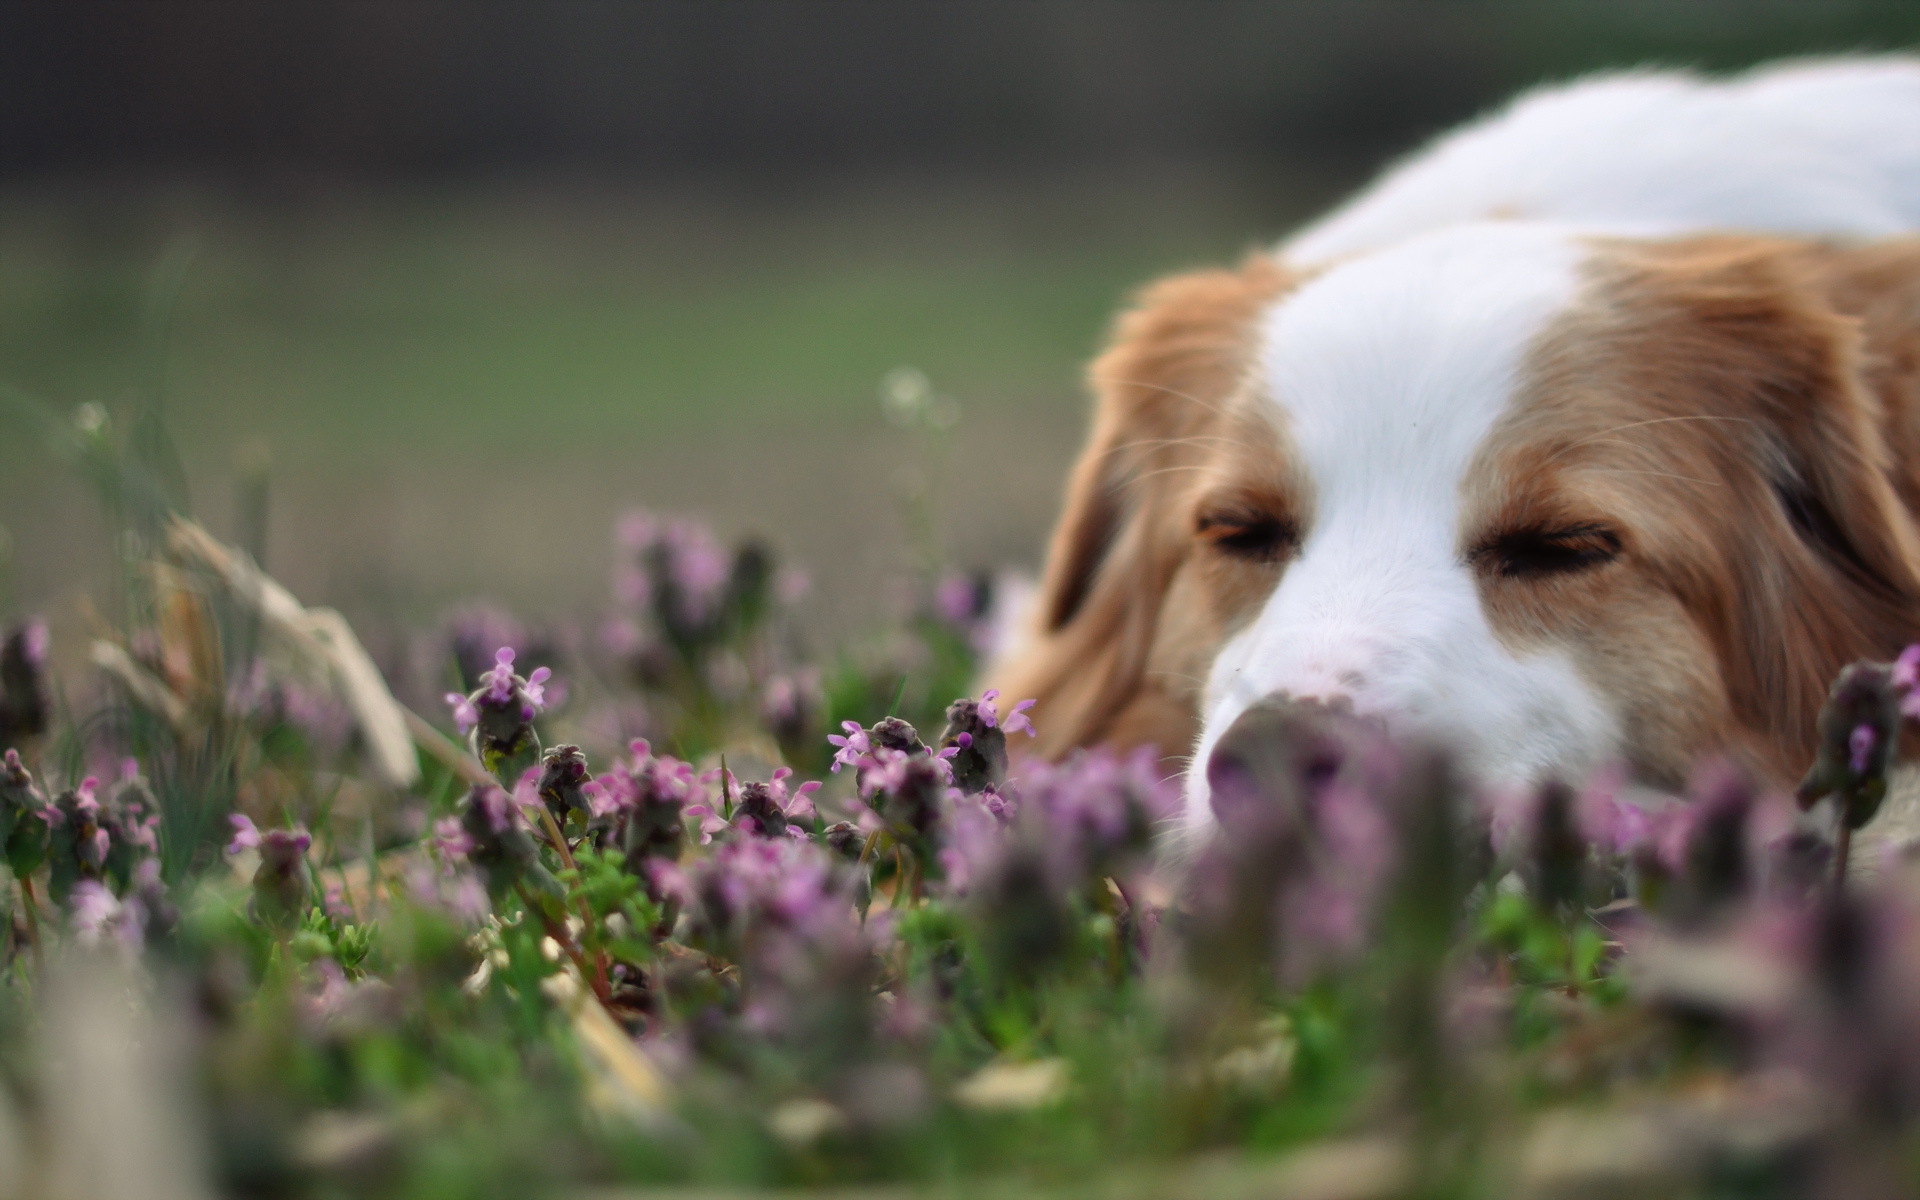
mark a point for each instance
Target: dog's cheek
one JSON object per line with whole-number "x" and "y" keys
{"x": 1203, "y": 611}
{"x": 1660, "y": 671}
{"x": 1228, "y": 592}
{"x": 1635, "y": 645}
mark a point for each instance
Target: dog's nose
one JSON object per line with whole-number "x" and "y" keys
{"x": 1277, "y": 754}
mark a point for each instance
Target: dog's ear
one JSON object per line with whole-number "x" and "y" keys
{"x": 1817, "y": 350}
{"x": 1173, "y": 361}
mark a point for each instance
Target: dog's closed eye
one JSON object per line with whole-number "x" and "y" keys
{"x": 1252, "y": 537}
{"x": 1536, "y": 553}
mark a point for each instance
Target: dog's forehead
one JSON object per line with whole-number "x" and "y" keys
{"x": 1389, "y": 370}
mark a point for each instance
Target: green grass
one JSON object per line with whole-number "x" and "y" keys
{"x": 429, "y": 366}
{"x": 480, "y": 314}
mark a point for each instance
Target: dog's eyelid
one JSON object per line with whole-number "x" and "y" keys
{"x": 1533, "y": 551}
{"x": 1246, "y": 534}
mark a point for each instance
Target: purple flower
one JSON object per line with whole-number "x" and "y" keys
{"x": 676, "y": 568}
{"x": 453, "y": 841}
{"x": 1858, "y": 726}
{"x": 906, "y": 790}
{"x": 495, "y": 808}
{"x": 35, "y": 642}
{"x": 143, "y": 833}
{"x": 281, "y": 848}
{"x": 465, "y": 897}
{"x": 1860, "y": 746}
{"x": 1098, "y": 812}
{"x": 752, "y": 886}
{"x": 499, "y": 685}
{"x": 699, "y": 567}
{"x": 561, "y": 782}
{"x": 465, "y": 715}
{"x": 98, "y": 916}
{"x": 246, "y": 835}
{"x": 956, "y": 599}
{"x": 1906, "y": 668}
{"x": 536, "y": 687}
{"x": 887, "y": 770}
{"x": 640, "y": 805}
{"x": 790, "y": 703}
{"x": 499, "y": 714}
{"x": 711, "y": 822}
{"x": 1295, "y": 872}
{"x": 93, "y": 906}
{"x": 457, "y": 893}
{"x": 85, "y": 798}
{"x": 667, "y": 881}
{"x": 1014, "y": 722}
{"x": 975, "y": 741}
{"x": 976, "y": 838}
{"x": 849, "y": 750}
{"x": 799, "y": 802}
{"x": 333, "y": 898}
{"x": 1718, "y": 846}
{"x": 1613, "y": 823}
{"x": 15, "y": 771}
{"x": 770, "y": 809}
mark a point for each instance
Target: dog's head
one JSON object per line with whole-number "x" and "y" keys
{"x": 1550, "y": 500}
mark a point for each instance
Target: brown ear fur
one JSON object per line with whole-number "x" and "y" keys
{"x": 1816, "y": 349}
{"x": 1093, "y": 659}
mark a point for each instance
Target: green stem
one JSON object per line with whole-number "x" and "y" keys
{"x": 600, "y": 985}
{"x": 33, "y": 919}
{"x": 1842, "y": 850}
{"x": 595, "y": 979}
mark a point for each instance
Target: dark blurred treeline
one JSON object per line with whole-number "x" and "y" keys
{"x": 637, "y": 86}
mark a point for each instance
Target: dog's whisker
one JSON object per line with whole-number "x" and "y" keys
{"x": 1170, "y": 470}
{"x": 1209, "y": 405}
{"x": 1607, "y": 434}
{"x": 1163, "y": 443}
{"x": 1661, "y": 474}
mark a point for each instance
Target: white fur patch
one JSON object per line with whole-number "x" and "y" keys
{"x": 1813, "y": 148}
{"x": 1387, "y": 373}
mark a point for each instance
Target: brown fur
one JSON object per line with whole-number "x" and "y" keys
{"x": 1123, "y": 631}
{"x": 1744, "y": 411}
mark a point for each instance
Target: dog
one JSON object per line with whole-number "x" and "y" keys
{"x": 1589, "y": 434}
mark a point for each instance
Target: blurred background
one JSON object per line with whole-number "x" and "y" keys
{"x": 467, "y": 278}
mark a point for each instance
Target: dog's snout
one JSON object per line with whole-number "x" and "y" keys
{"x": 1276, "y": 753}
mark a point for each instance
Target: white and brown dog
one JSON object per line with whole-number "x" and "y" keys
{"x": 1589, "y": 433}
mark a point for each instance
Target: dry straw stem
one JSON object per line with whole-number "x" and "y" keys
{"x": 323, "y": 637}
{"x": 148, "y": 689}
{"x": 118, "y": 1118}
{"x": 623, "y": 1083}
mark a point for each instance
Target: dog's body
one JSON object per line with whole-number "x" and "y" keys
{"x": 1590, "y": 433}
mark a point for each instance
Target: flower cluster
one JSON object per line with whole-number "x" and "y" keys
{"x": 282, "y": 884}
{"x": 640, "y": 807}
{"x": 894, "y": 951}
{"x": 100, "y": 854}
{"x": 696, "y": 626}
{"x": 498, "y": 715}
{"x": 272, "y": 703}
{"x": 1305, "y": 841}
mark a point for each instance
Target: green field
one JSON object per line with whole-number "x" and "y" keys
{"x": 459, "y": 388}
